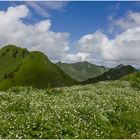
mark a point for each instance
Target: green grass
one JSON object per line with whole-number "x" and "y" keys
{"x": 134, "y": 79}
{"x": 11, "y": 57}
{"x": 103, "y": 110}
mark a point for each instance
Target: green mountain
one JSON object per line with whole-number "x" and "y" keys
{"x": 82, "y": 71}
{"x": 20, "y": 67}
{"x": 112, "y": 74}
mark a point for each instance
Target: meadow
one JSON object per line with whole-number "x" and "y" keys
{"x": 102, "y": 110}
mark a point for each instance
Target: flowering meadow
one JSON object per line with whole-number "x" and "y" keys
{"x": 102, "y": 110}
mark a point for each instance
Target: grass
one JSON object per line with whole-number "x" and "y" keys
{"x": 11, "y": 57}
{"x": 134, "y": 79}
{"x": 103, "y": 110}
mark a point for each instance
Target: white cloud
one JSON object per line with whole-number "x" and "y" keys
{"x": 43, "y": 8}
{"x": 96, "y": 47}
{"x": 55, "y": 5}
{"x": 124, "y": 48}
{"x": 34, "y": 37}
{"x": 77, "y": 57}
{"x": 129, "y": 21}
{"x": 38, "y": 9}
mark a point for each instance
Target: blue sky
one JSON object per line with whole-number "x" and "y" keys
{"x": 81, "y": 17}
{"x": 86, "y": 17}
{"x": 85, "y": 22}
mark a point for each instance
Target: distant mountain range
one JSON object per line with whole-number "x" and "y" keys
{"x": 82, "y": 71}
{"x": 19, "y": 67}
{"x": 113, "y": 74}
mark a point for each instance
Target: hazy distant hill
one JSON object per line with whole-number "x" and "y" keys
{"x": 18, "y": 66}
{"x": 113, "y": 74}
{"x": 81, "y": 71}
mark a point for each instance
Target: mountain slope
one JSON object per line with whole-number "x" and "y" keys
{"x": 31, "y": 69}
{"x": 11, "y": 57}
{"x": 113, "y": 74}
{"x": 82, "y": 71}
{"x": 134, "y": 79}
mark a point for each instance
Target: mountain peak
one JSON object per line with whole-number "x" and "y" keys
{"x": 11, "y": 46}
{"x": 20, "y": 67}
{"x": 119, "y": 66}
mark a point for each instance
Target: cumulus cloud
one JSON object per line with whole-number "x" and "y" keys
{"x": 77, "y": 57}
{"x": 129, "y": 21}
{"x": 33, "y": 37}
{"x": 97, "y": 44}
{"x": 96, "y": 47}
{"x": 124, "y": 48}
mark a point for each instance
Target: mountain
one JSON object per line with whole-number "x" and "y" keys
{"x": 119, "y": 66}
{"x": 82, "y": 71}
{"x": 18, "y": 66}
{"x": 112, "y": 74}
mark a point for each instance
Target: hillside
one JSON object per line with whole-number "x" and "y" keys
{"x": 112, "y": 74}
{"x": 11, "y": 57}
{"x": 134, "y": 79}
{"x": 106, "y": 110}
{"x": 82, "y": 71}
{"x": 21, "y": 67}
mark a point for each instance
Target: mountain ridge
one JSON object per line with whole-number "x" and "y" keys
{"x": 20, "y": 67}
{"x": 82, "y": 71}
{"x": 112, "y": 74}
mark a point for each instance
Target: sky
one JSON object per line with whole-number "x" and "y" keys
{"x": 103, "y": 33}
